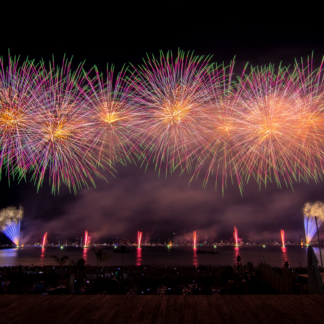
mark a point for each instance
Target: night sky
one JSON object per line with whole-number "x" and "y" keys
{"x": 137, "y": 199}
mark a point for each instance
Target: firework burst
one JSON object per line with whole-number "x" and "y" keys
{"x": 172, "y": 93}
{"x": 10, "y": 218}
{"x": 61, "y": 140}
{"x": 113, "y": 118}
{"x": 17, "y": 88}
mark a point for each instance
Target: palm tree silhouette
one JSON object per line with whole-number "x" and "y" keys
{"x": 79, "y": 264}
{"x": 101, "y": 255}
{"x": 60, "y": 260}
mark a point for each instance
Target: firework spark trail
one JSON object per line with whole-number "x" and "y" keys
{"x": 113, "y": 118}
{"x": 139, "y": 238}
{"x": 194, "y": 239}
{"x": 10, "y": 218}
{"x": 282, "y": 235}
{"x": 44, "y": 240}
{"x": 172, "y": 93}
{"x": 235, "y": 234}
{"x": 86, "y": 235}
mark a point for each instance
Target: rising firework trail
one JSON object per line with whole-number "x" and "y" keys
{"x": 86, "y": 235}
{"x": 282, "y": 234}
{"x": 235, "y": 234}
{"x": 139, "y": 239}
{"x": 194, "y": 239}
{"x": 10, "y": 218}
{"x": 44, "y": 240}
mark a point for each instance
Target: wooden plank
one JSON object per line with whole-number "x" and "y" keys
{"x": 190, "y": 312}
{"x": 107, "y": 311}
{"x": 139, "y": 304}
{"x": 269, "y": 307}
{"x": 162, "y": 309}
{"x": 242, "y": 309}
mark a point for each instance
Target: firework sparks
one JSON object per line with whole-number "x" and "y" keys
{"x": 86, "y": 236}
{"x": 172, "y": 94}
{"x": 113, "y": 117}
{"x": 10, "y": 218}
{"x": 312, "y": 211}
{"x": 17, "y": 88}
{"x": 194, "y": 239}
{"x": 282, "y": 234}
{"x": 139, "y": 239}
{"x": 61, "y": 139}
{"x": 183, "y": 111}
{"x": 44, "y": 240}
{"x": 235, "y": 234}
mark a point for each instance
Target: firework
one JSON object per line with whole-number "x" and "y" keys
{"x": 44, "y": 240}
{"x": 312, "y": 213}
{"x": 183, "y": 111}
{"x": 282, "y": 234}
{"x": 171, "y": 94}
{"x": 113, "y": 118}
{"x": 235, "y": 234}
{"x": 310, "y": 227}
{"x": 314, "y": 210}
{"x": 18, "y": 86}
{"x": 267, "y": 102}
{"x": 10, "y": 218}
{"x": 86, "y": 237}
{"x": 139, "y": 239}
{"x": 194, "y": 239}
{"x": 61, "y": 140}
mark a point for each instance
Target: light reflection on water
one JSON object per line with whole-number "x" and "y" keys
{"x": 138, "y": 257}
{"x": 195, "y": 258}
{"x": 162, "y": 256}
{"x": 41, "y": 260}
{"x": 85, "y": 255}
{"x": 284, "y": 255}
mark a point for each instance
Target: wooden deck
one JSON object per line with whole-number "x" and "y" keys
{"x": 162, "y": 309}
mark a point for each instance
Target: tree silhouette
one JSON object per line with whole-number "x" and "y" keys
{"x": 60, "y": 260}
{"x": 79, "y": 264}
{"x": 101, "y": 255}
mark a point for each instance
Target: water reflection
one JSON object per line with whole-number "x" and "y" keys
{"x": 284, "y": 255}
{"x": 236, "y": 254}
{"x": 195, "y": 258}
{"x": 138, "y": 260}
{"x": 42, "y": 256}
{"x": 10, "y": 253}
{"x": 84, "y": 255}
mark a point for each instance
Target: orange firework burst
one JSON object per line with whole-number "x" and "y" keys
{"x": 172, "y": 94}
{"x": 218, "y": 152}
{"x": 275, "y": 127}
{"x": 113, "y": 118}
{"x": 17, "y": 86}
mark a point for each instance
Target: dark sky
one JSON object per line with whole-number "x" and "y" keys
{"x": 139, "y": 200}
